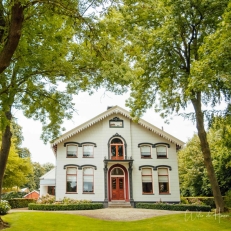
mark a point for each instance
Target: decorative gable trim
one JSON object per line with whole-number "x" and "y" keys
{"x": 115, "y": 111}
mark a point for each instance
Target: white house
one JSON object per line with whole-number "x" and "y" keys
{"x": 111, "y": 158}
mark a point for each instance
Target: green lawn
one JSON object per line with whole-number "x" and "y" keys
{"x": 38, "y": 221}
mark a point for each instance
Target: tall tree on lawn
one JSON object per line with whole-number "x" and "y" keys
{"x": 164, "y": 40}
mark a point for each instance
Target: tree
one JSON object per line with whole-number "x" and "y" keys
{"x": 47, "y": 54}
{"x": 19, "y": 166}
{"x": 163, "y": 38}
{"x": 40, "y": 170}
{"x": 193, "y": 177}
{"x": 17, "y": 169}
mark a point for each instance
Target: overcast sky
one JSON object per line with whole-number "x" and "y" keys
{"x": 89, "y": 107}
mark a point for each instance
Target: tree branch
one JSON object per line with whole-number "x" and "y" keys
{"x": 14, "y": 35}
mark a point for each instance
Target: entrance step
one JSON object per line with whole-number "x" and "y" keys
{"x": 119, "y": 204}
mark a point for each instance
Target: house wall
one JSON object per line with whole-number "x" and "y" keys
{"x": 43, "y": 190}
{"x": 133, "y": 133}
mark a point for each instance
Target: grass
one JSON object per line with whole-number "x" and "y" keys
{"x": 37, "y": 221}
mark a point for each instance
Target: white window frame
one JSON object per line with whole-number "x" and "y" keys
{"x": 162, "y": 156}
{"x": 142, "y": 178}
{"x": 73, "y": 175}
{"x": 88, "y": 192}
{"x": 71, "y": 155}
{"x": 160, "y": 182}
{"x": 86, "y": 156}
{"x": 143, "y": 156}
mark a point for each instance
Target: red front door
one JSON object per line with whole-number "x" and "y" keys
{"x": 117, "y": 184}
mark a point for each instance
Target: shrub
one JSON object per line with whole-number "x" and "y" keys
{"x": 67, "y": 200}
{"x": 4, "y": 207}
{"x": 80, "y": 206}
{"x": 228, "y": 199}
{"x": 199, "y": 200}
{"x": 48, "y": 199}
{"x": 175, "y": 207}
{"x": 20, "y": 202}
{"x": 11, "y": 195}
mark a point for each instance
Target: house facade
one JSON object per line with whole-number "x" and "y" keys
{"x": 111, "y": 158}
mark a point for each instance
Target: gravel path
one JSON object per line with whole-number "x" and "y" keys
{"x": 118, "y": 214}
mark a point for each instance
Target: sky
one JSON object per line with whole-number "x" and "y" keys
{"x": 87, "y": 108}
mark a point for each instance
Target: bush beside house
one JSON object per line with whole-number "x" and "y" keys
{"x": 174, "y": 207}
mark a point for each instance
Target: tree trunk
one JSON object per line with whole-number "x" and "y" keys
{"x": 207, "y": 154}
{"x": 13, "y": 35}
{"x": 5, "y": 148}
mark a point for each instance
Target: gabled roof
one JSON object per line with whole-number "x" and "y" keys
{"x": 31, "y": 193}
{"x": 48, "y": 175}
{"x": 115, "y": 110}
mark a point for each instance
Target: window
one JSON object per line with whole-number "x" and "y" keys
{"x": 72, "y": 150}
{"x": 117, "y": 149}
{"x": 71, "y": 186}
{"x": 88, "y": 180}
{"x": 145, "y": 151}
{"x": 88, "y": 150}
{"x": 161, "y": 151}
{"x": 163, "y": 180}
{"x": 147, "y": 180}
{"x": 51, "y": 190}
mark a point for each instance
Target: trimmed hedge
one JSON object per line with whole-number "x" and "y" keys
{"x": 84, "y": 206}
{"x": 175, "y": 207}
{"x": 20, "y": 202}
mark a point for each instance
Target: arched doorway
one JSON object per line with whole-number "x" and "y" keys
{"x": 118, "y": 183}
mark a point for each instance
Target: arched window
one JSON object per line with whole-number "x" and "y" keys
{"x": 117, "y": 171}
{"x": 117, "y": 149}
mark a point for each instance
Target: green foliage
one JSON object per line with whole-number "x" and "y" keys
{"x": 78, "y": 206}
{"x": 11, "y": 195}
{"x": 4, "y": 207}
{"x": 17, "y": 169}
{"x": 199, "y": 200}
{"x": 193, "y": 176}
{"x": 20, "y": 202}
{"x": 48, "y": 199}
{"x": 163, "y": 39}
{"x": 228, "y": 199}
{"x": 39, "y": 170}
{"x": 174, "y": 207}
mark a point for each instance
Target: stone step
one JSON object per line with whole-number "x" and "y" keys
{"x": 119, "y": 204}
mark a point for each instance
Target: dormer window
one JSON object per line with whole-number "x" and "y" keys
{"x": 88, "y": 150}
{"x": 72, "y": 150}
{"x": 161, "y": 151}
{"x": 145, "y": 151}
